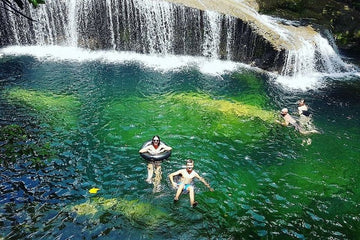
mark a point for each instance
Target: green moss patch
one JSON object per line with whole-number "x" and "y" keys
{"x": 56, "y": 108}
{"x": 191, "y": 114}
{"x": 225, "y": 107}
{"x": 134, "y": 210}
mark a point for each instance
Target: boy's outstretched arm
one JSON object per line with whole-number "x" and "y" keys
{"x": 204, "y": 182}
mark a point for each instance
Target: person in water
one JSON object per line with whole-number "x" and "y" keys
{"x": 155, "y": 147}
{"x": 185, "y": 184}
{"x": 305, "y": 120}
{"x": 289, "y": 120}
{"x": 303, "y": 109}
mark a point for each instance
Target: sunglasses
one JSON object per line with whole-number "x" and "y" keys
{"x": 156, "y": 140}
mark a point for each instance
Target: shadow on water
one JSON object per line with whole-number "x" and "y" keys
{"x": 268, "y": 183}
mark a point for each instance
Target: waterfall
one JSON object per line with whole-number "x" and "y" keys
{"x": 230, "y": 25}
{"x": 157, "y": 24}
{"x": 151, "y": 26}
{"x": 310, "y": 59}
{"x": 71, "y": 33}
{"x": 212, "y": 36}
{"x": 164, "y": 28}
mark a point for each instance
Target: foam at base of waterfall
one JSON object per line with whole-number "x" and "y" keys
{"x": 157, "y": 62}
{"x": 163, "y": 63}
{"x": 300, "y": 82}
{"x": 312, "y": 80}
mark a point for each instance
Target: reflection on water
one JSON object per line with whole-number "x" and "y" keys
{"x": 96, "y": 116}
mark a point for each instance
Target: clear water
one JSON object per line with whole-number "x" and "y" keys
{"x": 96, "y": 115}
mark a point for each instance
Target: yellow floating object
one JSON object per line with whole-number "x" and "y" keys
{"x": 94, "y": 190}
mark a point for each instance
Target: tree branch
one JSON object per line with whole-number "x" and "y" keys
{"x": 15, "y": 11}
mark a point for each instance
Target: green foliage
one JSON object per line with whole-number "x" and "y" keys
{"x": 36, "y": 3}
{"x": 17, "y": 143}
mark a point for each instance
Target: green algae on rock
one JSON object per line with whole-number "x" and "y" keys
{"x": 225, "y": 107}
{"x": 134, "y": 210}
{"x": 193, "y": 114}
{"x": 58, "y": 109}
{"x": 86, "y": 208}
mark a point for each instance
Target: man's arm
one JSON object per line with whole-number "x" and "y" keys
{"x": 204, "y": 182}
{"x": 284, "y": 123}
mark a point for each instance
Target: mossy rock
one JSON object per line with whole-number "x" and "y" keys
{"x": 57, "y": 109}
{"x": 134, "y": 210}
{"x": 225, "y": 107}
{"x": 86, "y": 208}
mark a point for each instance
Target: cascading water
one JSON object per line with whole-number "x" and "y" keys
{"x": 212, "y": 36}
{"x": 144, "y": 26}
{"x": 72, "y": 35}
{"x": 306, "y": 65}
{"x": 155, "y": 27}
{"x": 160, "y": 27}
{"x": 309, "y": 61}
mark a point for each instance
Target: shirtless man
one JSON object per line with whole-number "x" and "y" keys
{"x": 185, "y": 183}
{"x": 288, "y": 119}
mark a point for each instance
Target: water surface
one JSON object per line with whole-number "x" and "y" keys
{"x": 91, "y": 117}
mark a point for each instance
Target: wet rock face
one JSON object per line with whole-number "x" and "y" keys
{"x": 341, "y": 17}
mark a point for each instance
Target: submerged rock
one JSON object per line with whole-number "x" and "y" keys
{"x": 134, "y": 210}
{"x": 225, "y": 107}
{"x": 60, "y": 110}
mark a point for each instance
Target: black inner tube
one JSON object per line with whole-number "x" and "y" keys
{"x": 154, "y": 157}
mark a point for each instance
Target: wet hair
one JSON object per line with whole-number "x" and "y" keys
{"x": 156, "y": 136}
{"x": 301, "y": 101}
{"x": 284, "y": 110}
